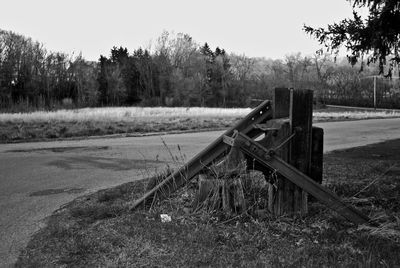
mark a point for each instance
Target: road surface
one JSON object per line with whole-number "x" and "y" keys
{"x": 38, "y": 178}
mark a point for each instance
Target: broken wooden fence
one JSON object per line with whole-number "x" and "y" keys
{"x": 210, "y": 154}
{"x": 268, "y": 159}
{"x": 291, "y": 148}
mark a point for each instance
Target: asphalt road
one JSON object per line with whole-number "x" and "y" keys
{"x": 38, "y": 178}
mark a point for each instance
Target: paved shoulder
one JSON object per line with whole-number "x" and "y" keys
{"x": 347, "y": 134}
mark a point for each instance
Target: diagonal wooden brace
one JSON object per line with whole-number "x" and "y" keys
{"x": 210, "y": 154}
{"x": 268, "y": 159}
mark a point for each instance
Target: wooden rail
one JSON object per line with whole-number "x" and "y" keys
{"x": 210, "y": 154}
{"x": 268, "y": 159}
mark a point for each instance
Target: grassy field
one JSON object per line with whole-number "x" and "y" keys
{"x": 98, "y": 230}
{"x": 107, "y": 121}
{"x": 122, "y": 114}
{"x": 137, "y": 120}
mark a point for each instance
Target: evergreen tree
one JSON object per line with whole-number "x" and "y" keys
{"x": 378, "y": 34}
{"x": 102, "y": 80}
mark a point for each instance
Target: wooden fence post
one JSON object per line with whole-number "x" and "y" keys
{"x": 285, "y": 197}
{"x": 317, "y": 154}
{"x": 280, "y": 103}
{"x": 280, "y": 194}
{"x": 301, "y": 106}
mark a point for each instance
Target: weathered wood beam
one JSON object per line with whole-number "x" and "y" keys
{"x": 301, "y": 107}
{"x": 273, "y": 124}
{"x": 317, "y": 154}
{"x": 281, "y": 198}
{"x": 210, "y": 154}
{"x": 267, "y": 158}
{"x": 281, "y": 102}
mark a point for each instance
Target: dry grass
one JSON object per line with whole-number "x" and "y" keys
{"x": 352, "y": 115}
{"x": 123, "y": 114}
{"x": 128, "y": 114}
{"x": 107, "y": 121}
{"x": 137, "y": 120}
{"x": 99, "y": 231}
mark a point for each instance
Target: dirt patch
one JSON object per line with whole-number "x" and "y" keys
{"x": 60, "y": 149}
{"x": 57, "y": 191}
{"x": 99, "y": 230}
{"x": 117, "y": 164}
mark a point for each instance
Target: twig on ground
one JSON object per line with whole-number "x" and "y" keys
{"x": 375, "y": 180}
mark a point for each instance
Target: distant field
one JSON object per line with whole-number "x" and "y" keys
{"x": 128, "y": 114}
{"x": 137, "y": 120}
{"x": 124, "y": 114}
{"x": 107, "y": 121}
{"x": 340, "y": 114}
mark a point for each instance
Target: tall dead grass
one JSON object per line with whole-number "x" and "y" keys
{"x": 129, "y": 114}
{"x": 123, "y": 114}
{"x": 355, "y": 115}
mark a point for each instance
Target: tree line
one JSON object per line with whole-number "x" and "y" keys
{"x": 176, "y": 71}
{"x": 34, "y": 77}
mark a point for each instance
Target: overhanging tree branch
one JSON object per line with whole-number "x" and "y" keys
{"x": 376, "y": 37}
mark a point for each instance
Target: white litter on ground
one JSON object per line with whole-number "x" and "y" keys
{"x": 165, "y": 218}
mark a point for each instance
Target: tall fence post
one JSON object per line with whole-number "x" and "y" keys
{"x": 317, "y": 154}
{"x": 280, "y": 198}
{"x": 301, "y": 107}
{"x": 296, "y": 105}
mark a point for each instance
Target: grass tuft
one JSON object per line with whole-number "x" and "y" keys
{"x": 92, "y": 213}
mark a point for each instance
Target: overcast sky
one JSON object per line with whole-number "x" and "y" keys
{"x": 257, "y": 28}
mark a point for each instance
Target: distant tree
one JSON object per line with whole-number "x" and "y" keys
{"x": 162, "y": 61}
{"x": 218, "y": 51}
{"x": 324, "y": 67}
{"x": 84, "y": 78}
{"x": 119, "y": 55}
{"x": 345, "y": 83}
{"x": 220, "y": 77}
{"x": 147, "y": 84}
{"x": 297, "y": 69}
{"x": 181, "y": 50}
{"x": 206, "y": 50}
{"x": 378, "y": 34}
{"x": 184, "y": 70}
{"x": 126, "y": 67}
{"x": 241, "y": 68}
{"x": 102, "y": 80}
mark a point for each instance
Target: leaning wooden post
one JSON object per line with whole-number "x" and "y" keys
{"x": 301, "y": 107}
{"x": 267, "y": 158}
{"x": 211, "y": 153}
